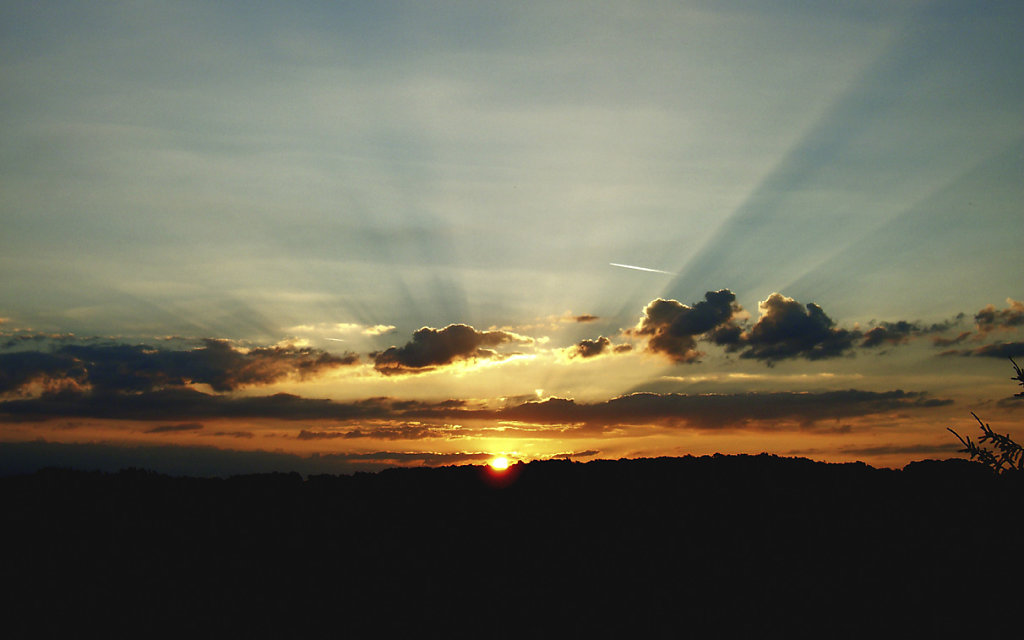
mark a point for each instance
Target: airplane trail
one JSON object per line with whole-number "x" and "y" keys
{"x": 629, "y": 266}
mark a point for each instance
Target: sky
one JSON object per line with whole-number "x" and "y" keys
{"x": 332, "y": 236}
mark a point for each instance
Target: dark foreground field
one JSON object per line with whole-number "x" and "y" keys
{"x": 708, "y": 547}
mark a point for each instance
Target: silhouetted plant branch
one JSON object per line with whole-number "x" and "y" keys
{"x": 1008, "y": 455}
{"x": 1019, "y": 377}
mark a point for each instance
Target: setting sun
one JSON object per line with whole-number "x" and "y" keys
{"x": 499, "y": 464}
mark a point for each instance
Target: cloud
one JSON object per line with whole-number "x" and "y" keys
{"x": 343, "y": 328}
{"x": 176, "y": 428}
{"x": 432, "y": 348}
{"x": 996, "y": 350}
{"x": 717, "y": 411}
{"x": 187, "y": 404}
{"x": 116, "y": 368}
{"x": 590, "y": 348}
{"x": 901, "y": 331}
{"x": 787, "y": 329}
{"x": 991, "y": 319}
{"x": 939, "y": 341}
{"x": 882, "y": 450}
{"x": 586, "y": 317}
{"x": 20, "y": 337}
{"x": 20, "y": 369}
{"x": 378, "y": 330}
{"x": 387, "y": 418}
{"x": 892, "y": 333}
{"x": 672, "y": 328}
{"x": 569, "y": 455}
{"x": 27, "y": 457}
{"x": 889, "y": 449}
{"x": 384, "y": 432}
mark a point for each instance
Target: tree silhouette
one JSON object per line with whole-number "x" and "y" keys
{"x": 1007, "y": 455}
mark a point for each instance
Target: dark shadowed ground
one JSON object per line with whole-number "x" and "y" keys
{"x": 712, "y": 546}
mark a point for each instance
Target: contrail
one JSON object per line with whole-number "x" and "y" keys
{"x": 629, "y": 266}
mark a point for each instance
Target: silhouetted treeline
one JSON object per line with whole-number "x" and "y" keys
{"x": 720, "y": 544}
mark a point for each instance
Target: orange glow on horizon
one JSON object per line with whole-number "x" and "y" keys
{"x": 499, "y": 463}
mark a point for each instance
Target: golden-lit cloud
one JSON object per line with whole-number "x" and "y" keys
{"x": 341, "y": 328}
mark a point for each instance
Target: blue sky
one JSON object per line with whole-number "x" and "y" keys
{"x": 336, "y": 176}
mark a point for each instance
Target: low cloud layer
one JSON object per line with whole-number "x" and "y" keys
{"x": 432, "y": 348}
{"x": 391, "y": 419}
{"x": 121, "y": 368}
{"x": 717, "y": 411}
{"x": 27, "y": 457}
{"x": 176, "y": 428}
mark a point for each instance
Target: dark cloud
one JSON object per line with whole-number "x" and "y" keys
{"x": 591, "y": 348}
{"x": 939, "y": 341}
{"x": 383, "y": 432}
{"x": 187, "y": 404}
{"x": 1012, "y": 402}
{"x": 394, "y": 420}
{"x": 176, "y": 428}
{"x": 884, "y": 449}
{"x": 996, "y": 350}
{"x": 27, "y": 457}
{"x": 987, "y": 320}
{"x": 586, "y": 317}
{"x": 901, "y": 331}
{"x": 787, "y": 329}
{"x": 569, "y": 455}
{"x": 719, "y": 410}
{"x": 881, "y": 450}
{"x": 20, "y": 338}
{"x": 672, "y": 328}
{"x": 992, "y": 319}
{"x": 23, "y": 368}
{"x": 892, "y": 333}
{"x": 114, "y": 368}
{"x": 320, "y": 435}
{"x": 431, "y": 348}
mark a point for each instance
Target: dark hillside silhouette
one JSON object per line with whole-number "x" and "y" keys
{"x": 716, "y": 544}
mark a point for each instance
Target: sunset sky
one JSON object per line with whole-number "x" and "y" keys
{"x": 333, "y": 236}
